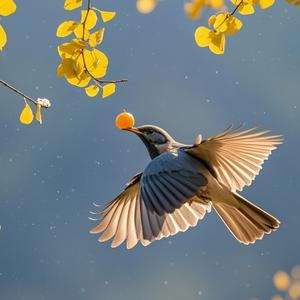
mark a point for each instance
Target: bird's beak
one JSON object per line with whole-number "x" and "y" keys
{"x": 134, "y": 130}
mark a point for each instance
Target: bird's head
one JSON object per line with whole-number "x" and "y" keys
{"x": 156, "y": 139}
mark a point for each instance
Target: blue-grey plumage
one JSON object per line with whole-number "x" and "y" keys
{"x": 182, "y": 182}
{"x": 170, "y": 179}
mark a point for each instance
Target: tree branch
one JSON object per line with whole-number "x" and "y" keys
{"x": 18, "y": 92}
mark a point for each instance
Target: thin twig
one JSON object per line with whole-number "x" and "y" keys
{"x": 17, "y": 91}
{"x": 100, "y": 82}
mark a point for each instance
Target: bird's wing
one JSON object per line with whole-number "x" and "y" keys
{"x": 127, "y": 218}
{"x": 170, "y": 180}
{"x": 235, "y": 157}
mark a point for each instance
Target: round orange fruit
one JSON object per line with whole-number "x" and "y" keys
{"x": 124, "y": 120}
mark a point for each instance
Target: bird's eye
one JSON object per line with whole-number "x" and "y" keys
{"x": 150, "y": 131}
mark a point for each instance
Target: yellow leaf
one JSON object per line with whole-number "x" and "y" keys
{"x": 246, "y": 9}
{"x": 211, "y": 21}
{"x": 3, "y": 37}
{"x": 145, "y": 6}
{"x": 7, "y": 7}
{"x": 108, "y": 90}
{"x": 217, "y": 45}
{"x": 71, "y": 49}
{"x": 227, "y": 24}
{"x": 74, "y": 72}
{"x": 66, "y": 28}
{"x": 68, "y": 50}
{"x": 96, "y": 62}
{"x": 79, "y": 32}
{"x": 233, "y": 25}
{"x": 203, "y": 36}
{"x": 96, "y": 38}
{"x": 26, "y": 116}
{"x": 38, "y": 114}
{"x": 221, "y": 24}
{"x": 266, "y": 3}
{"x": 107, "y": 15}
{"x": 92, "y": 90}
{"x": 72, "y": 4}
{"x": 60, "y": 70}
{"x": 90, "y": 20}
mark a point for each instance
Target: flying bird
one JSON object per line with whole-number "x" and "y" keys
{"x": 183, "y": 182}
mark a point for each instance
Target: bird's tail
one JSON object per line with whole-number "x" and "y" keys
{"x": 246, "y": 221}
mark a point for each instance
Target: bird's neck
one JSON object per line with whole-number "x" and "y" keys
{"x": 155, "y": 150}
{"x": 167, "y": 147}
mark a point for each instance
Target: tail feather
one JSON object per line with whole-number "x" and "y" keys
{"x": 246, "y": 221}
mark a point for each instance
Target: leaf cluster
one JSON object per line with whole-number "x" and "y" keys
{"x": 82, "y": 63}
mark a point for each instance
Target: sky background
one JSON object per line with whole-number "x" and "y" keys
{"x": 51, "y": 174}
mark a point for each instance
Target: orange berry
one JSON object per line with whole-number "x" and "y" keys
{"x": 124, "y": 120}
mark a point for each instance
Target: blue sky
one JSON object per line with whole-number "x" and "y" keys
{"x": 51, "y": 174}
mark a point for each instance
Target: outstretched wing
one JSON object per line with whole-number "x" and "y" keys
{"x": 170, "y": 180}
{"x": 235, "y": 157}
{"x": 128, "y": 218}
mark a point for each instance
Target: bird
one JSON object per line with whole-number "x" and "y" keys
{"x": 183, "y": 182}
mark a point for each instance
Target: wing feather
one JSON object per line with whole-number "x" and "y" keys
{"x": 236, "y": 156}
{"x": 156, "y": 205}
{"x": 121, "y": 232}
{"x": 111, "y": 228}
{"x": 131, "y": 229}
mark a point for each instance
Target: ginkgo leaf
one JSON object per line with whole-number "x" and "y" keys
{"x": 60, "y": 70}
{"x": 220, "y": 23}
{"x": 72, "y": 4}
{"x": 211, "y": 21}
{"x": 96, "y": 38}
{"x": 217, "y": 45}
{"x": 203, "y": 36}
{"x": 107, "y": 15}
{"x": 66, "y": 28}
{"x": 234, "y": 25}
{"x": 71, "y": 49}
{"x": 92, "y": 90}
{"x": 74, "y": 72}
{"x": 38, "y": 115}
{"x": 7, "y": 7}
{"x": 228, "y": 24}
{"x": 3, "y": 37}
{"x": 108, "y": 90}
{"x": 96, "y": 62}
{"x": 90, "y": 19}
{"x": 79, "y": 32}
{"x": 26, "y": 116}
{"x": 266, "y": 3}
